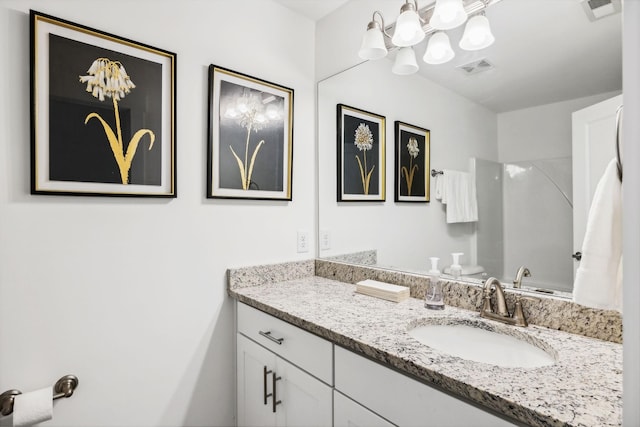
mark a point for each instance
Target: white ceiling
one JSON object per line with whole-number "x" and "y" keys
{"x": 314, "y": 9}
{"x": 545, "y": 51}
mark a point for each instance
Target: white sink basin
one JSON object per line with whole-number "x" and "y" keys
{"x": 474, "y": 342}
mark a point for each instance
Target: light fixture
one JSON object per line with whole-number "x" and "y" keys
{"x": 405, "y": 62}
{"x": 439, "y": 49}
{"x": 411, "y": 27}
{"x": 477, "y": 34}
{"x": 373, "y": 46}
{"x": 408, "y": 31}
{"x": 448, "y": 14}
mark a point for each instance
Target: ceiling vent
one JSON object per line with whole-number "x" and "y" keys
{"x": 476, "y": 67}
{"x": 597, "y": 9}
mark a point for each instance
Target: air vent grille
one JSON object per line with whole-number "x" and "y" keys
{"x": 597, "y": 9}
{"x": 476, "y": 67}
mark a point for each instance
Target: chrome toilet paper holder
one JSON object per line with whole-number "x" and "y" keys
{"x": 64, "y": 387}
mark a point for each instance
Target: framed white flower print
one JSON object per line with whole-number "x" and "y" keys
{"x": 102, "y": 112}
{"x": 361, "y": 155}
{"x": 412, "y": 153}
{"x": 250, "y": 152}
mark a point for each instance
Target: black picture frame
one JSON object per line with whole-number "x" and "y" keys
{"x": 360, "y": 176}
{"x": 103, "y": 113}
{"x": 250, "y": 137}
{"x": 412, "y": 159}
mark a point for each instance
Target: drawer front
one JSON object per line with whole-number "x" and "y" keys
{"x": 307, "y": 351}
{"x": 403, "y": 400}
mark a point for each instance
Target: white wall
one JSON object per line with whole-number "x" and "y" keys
{"x": 130, "y": 294}
{"x": 547, "y": 137}
{"x": 631, "y": 212}
{"x": 459, "y": 129}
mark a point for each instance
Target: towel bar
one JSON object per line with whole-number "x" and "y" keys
{"x": 435, "y": 172}
{"x": 64, "y": 387}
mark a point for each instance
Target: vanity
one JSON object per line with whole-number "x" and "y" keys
{"x": 312, "y": 351}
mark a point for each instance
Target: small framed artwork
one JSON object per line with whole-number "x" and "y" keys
{"x": 102, "y": 113}
{"x": 412, "y": 152}
{"x": 250, "y": 152}
{"x": 361, "y": 155}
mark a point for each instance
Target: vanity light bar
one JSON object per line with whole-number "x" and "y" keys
{"x": 471, "y": 7}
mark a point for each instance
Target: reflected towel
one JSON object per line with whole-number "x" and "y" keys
{"x": 598, "y": 280}
{"x": 459, "y": 194}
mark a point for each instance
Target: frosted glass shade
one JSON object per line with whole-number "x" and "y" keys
{"x": 408, "y": 30}
{"x": 373, "y": 46}
{"x": 438, "y": 49}
{"x": 405, "y": 62}
{"x": 477, "y": 34}
{"x": 448, "y": 14}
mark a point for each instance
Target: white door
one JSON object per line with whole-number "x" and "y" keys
{"x": 254, "y": 385}
{"x": 305, "y": 400}
{"x": 593, "y": 147}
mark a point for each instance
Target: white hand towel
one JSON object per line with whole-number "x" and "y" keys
{"x": 598, "y": 282}
{"x": 439, "y": 186}
{"x": 459, "y": 194}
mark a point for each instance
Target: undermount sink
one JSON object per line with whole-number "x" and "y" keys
{"x": 478, "y": 342}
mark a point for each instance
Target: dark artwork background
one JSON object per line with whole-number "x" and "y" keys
{"x": 268, "y": 170}
{"x": 352, "y": 183}
{"x": 418, "y": 185}
{"x": 80, "y": 152}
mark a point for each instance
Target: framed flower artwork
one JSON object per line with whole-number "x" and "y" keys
{"x": 250, "y": 152}
{"x": 412, "y": 152}
{"x": 103, "y": 113}
{"x": 361, "y": 155}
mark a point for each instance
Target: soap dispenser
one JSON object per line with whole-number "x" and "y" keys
{"x": 456, "y": 268}
{"x": 434, "y": 298}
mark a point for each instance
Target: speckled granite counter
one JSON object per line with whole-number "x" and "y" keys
{"x": 583, "y": 388}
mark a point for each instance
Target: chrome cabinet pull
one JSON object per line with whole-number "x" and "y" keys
{"x": 275, "y": 400}
{"x": 270, "y": 337}
{"x": 265, "y": 372}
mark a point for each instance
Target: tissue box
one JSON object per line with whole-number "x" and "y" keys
{"x": 382, "y": 290}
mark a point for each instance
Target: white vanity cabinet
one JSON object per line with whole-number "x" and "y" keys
{"x": 271, "y": 390}
{"x": 346, "y": 412}
{"x": 402, "y": 400}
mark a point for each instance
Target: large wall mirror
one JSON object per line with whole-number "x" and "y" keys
{"x": 508, "y": 123}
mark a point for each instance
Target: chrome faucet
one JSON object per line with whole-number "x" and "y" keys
{"x": 501, "y": 314}
{"x": 522, "y": 272}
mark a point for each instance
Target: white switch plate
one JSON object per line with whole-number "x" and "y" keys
{"x": 325, "y": 240}
{"x": 303, "y": 241}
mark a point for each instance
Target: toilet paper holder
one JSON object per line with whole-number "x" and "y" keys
{"x": 64, "y": 387}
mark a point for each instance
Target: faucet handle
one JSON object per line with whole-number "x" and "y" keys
{"x": 518, "y": 314}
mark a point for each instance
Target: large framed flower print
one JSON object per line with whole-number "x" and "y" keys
{"x": 250, "y": 137}
{"x": 102, "y": 113}
{"x": 361, "y": 155}
{"x": 412, "y": 153}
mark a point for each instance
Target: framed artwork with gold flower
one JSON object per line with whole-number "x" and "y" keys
{"x": 412, "y": 153}
{"x": 361, "y": 155}
{"x": 102, "y": 113}
{"x": 250, "y": 137}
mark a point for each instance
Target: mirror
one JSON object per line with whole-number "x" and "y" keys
{"x": 509, "y": 126}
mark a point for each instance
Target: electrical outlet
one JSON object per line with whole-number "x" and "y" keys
{"x": 303, "y": 241}
{"x": 325, "y": 240}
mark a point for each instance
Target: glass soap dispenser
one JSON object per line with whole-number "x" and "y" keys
{"x": 456, "y": 268}
{"x": 434, "y": 298}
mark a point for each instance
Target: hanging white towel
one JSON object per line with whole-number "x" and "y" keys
{"x": 459, "y": 194}
{"x": 598, "y": 280}
{"x": 439, "y": 185}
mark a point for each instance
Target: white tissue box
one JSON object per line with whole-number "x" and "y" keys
{"x": 382, "y": 290}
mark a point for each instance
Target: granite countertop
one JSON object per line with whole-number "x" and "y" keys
{"x": 583, "y": 387}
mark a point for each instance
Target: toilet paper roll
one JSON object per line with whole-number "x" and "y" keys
{"x": 33, "y": 407}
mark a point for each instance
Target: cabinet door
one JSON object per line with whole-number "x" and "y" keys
{"x": 251, "y": 361}
{"x": 347, "y": 413}
{"x": 305, "y": 401}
